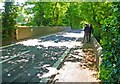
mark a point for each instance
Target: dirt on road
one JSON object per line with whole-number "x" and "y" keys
{"x": 79, "y": 67}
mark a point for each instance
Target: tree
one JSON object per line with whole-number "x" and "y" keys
{"x": 73, "y": 17}
{"x": 8, "y": 19}
{"x": 47, "y": 13}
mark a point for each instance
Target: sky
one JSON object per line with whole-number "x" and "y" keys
{"x": 1, "y": 5}
{"x": 20, "y": 1}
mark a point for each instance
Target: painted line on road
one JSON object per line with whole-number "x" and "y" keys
{"x": 13, "y": 57}
{"x": 8, "y": 46}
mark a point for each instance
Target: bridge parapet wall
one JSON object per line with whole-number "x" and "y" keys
{"x": 97, "y": 51}
{"x": 23, "y": 32}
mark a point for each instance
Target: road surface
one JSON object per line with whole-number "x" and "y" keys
{"x": 28, "y": 61}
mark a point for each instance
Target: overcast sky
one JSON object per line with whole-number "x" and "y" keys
{"x": 2, "y": 4}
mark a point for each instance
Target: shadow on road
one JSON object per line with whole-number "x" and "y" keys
{"x": 27, "y": 61}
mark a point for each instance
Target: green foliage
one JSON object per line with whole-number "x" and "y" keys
{"x": 73, "y": 15}
{"x": 104, "y": 16}
{"x": 46, "y": 13}
{"x": 111, "y": 46}
{"x": 8, "y": 20}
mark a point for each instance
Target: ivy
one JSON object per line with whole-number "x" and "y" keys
{"x": 109, "y": 70}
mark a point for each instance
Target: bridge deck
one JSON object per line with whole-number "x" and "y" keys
{"x": 29, "y": 60}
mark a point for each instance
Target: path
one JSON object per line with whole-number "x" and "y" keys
{"x": 30, "y": 60}
{"x": 78, "y": 67}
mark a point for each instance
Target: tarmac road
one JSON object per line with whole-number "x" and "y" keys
{"x": 28, "y": 61}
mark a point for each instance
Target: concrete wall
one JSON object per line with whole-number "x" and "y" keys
{"x": 0, "y": 32}
{"x": 23, "y": 32}
{"x": 97, "y": 51}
